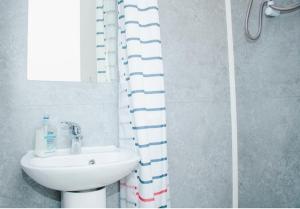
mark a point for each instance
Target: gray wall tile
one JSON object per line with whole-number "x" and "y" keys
{"x": 199, "y": 154}
{"x": 268, "y": 83}
{"x": 198, "y": 112}
{"x": 269, "y": 148}
{"x": 195, "y": 53}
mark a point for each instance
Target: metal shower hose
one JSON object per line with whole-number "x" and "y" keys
{"x": 256, "y": 36}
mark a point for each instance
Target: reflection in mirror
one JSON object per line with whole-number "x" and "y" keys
{"x": 72, "y": 40}
{"x": 106, "y": 41}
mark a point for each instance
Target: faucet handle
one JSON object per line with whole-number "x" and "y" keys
{"x": 74, "y": 127}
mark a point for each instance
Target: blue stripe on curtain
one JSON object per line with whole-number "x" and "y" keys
{"x": 146, "y": 75}
{"x": 143, "y": 42}
{"x": 149, "y": 127}
{"x": 147, "y": 109}
{"x": 142, "y": 25}
{"x": 140, "y": 9}
{"x": 144, "y": 92}
{"x": 151, "y": 144}
{"x": 153, "y": 178}
{"x": 143, "y": 58}
{"x": 153, "y": 161}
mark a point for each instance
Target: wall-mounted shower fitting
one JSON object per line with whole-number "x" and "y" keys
{"x": 270, "y": 12}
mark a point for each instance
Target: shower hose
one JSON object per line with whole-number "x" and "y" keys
{"x": 287, "y": 9}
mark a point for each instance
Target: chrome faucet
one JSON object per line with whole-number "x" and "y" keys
{"x": 76, "y": 136}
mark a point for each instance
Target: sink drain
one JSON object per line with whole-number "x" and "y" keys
{"x": 92, "y": 162}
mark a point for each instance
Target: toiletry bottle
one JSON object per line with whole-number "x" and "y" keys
{"x": 50, "y": 135}
{"x": 45, "y": 139}
{"x": 40, "y": 143}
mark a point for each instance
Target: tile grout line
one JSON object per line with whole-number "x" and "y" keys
{"x": 233, "y": 109}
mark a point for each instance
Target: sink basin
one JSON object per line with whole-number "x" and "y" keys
{"x": 95, "y": 167}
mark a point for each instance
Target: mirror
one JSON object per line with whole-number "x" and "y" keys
{"x": 72, "y": 40}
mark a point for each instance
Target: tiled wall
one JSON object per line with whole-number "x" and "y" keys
{"x": 23, "y": 103}
{"x": 268, "y": 102}
{"x": 198, "y": 109}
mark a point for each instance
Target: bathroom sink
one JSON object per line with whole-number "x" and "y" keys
{"x": 93, "y": 168}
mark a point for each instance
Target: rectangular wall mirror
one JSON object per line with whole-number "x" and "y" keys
{"x": 72, "y": 40}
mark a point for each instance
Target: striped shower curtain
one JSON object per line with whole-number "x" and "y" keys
{"x": 142, "y": 104}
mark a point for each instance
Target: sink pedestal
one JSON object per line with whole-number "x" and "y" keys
{"x": 95, "y": 198}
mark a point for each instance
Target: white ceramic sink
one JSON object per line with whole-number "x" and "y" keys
{"x": 95, "y": 167}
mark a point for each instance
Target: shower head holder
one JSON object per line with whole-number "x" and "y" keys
{"x": 270, "y": 12}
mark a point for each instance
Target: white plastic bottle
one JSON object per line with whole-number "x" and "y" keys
{"x": 45, "y": 139}
{"x": 40, "y": 143}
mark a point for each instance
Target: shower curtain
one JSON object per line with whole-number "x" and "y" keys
{"x": 142, "y": 119}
